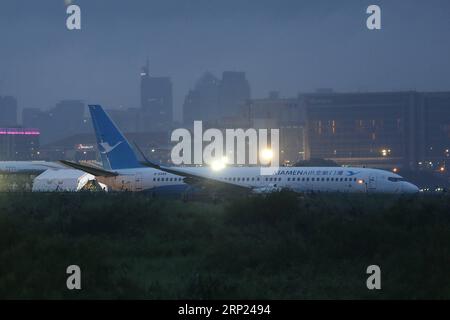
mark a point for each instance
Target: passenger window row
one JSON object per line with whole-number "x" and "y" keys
{"x": 323, "y": 179}
{"x": 240, "y": 179}
{"x": 167, "y": 179}
{"x": 290, "y": 179}
{"x": 267, "y": 179}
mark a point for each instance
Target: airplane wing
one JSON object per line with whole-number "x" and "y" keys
{"x": 27, "y": 167}
{"x": 190, "y": 178}
{"x": 98, "y": 172}
{"x": 194, "y": 179}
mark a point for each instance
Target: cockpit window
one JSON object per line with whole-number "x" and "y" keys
{"x": 395, "y": 179}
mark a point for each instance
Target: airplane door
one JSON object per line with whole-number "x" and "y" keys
{"x": 372, "y": 185}
{"x": 138, "y": 182}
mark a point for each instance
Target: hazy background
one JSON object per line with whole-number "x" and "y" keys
{"x": 284, "y": 45}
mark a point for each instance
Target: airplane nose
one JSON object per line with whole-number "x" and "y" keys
{"x": 410, "y": 188}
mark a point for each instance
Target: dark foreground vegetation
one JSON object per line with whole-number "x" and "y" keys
{"x": 279, "y": 247}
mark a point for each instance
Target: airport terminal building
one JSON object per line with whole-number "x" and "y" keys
{"x": 384, "y": 130}
{"x": 389, "y": 130}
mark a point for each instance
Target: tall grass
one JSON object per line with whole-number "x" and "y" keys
{"x": 282, "y": 246}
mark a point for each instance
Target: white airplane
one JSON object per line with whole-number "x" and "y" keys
{"x": 122, "y": 171}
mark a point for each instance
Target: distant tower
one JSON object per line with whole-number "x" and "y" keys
{"x": 234, "y": 91}
{"x": 144, "y": 84}
{"x": 202, "y": 103}
{"x": 213, "y": 98}
{"x": 8, "y": 111}
{"x": 145, "y": 69}
{"x": 156, "y": 97}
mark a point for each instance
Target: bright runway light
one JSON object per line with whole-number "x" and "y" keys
{"x": 220, "y": 164}
{"x": 267, "y": 154}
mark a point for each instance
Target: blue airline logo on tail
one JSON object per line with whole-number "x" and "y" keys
{"x": 107, "y": 148}
{"x": 115, "y": 150}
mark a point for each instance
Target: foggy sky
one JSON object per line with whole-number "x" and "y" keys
{"x": 287, "y": 45}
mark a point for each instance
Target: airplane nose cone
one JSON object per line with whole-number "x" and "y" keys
{"x": 410, "y": 188}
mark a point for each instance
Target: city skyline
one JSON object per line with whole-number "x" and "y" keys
{"x": 289, "y": 46}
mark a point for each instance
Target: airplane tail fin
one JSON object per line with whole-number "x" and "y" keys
{"x": 115, "y": 151}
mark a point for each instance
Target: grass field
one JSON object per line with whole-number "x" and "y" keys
{"x": 278, "y": 247}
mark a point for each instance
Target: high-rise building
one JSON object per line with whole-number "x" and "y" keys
{"x": 213, "y": 99}
{"x": 288, "y": 116}
{"x": 202, "y": 103}
{"x": 233, "y": 93}
{"x": 67, "y": 116}
{"x": 32, "y": 117}
{"x": 156, "y": 98}
{"x": 127, "y": 119}
{"x": 8, "y": 111}
{"x": 65, "y": 119}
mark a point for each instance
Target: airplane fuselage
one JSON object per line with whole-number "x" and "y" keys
{"x": 299, "y": 179}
